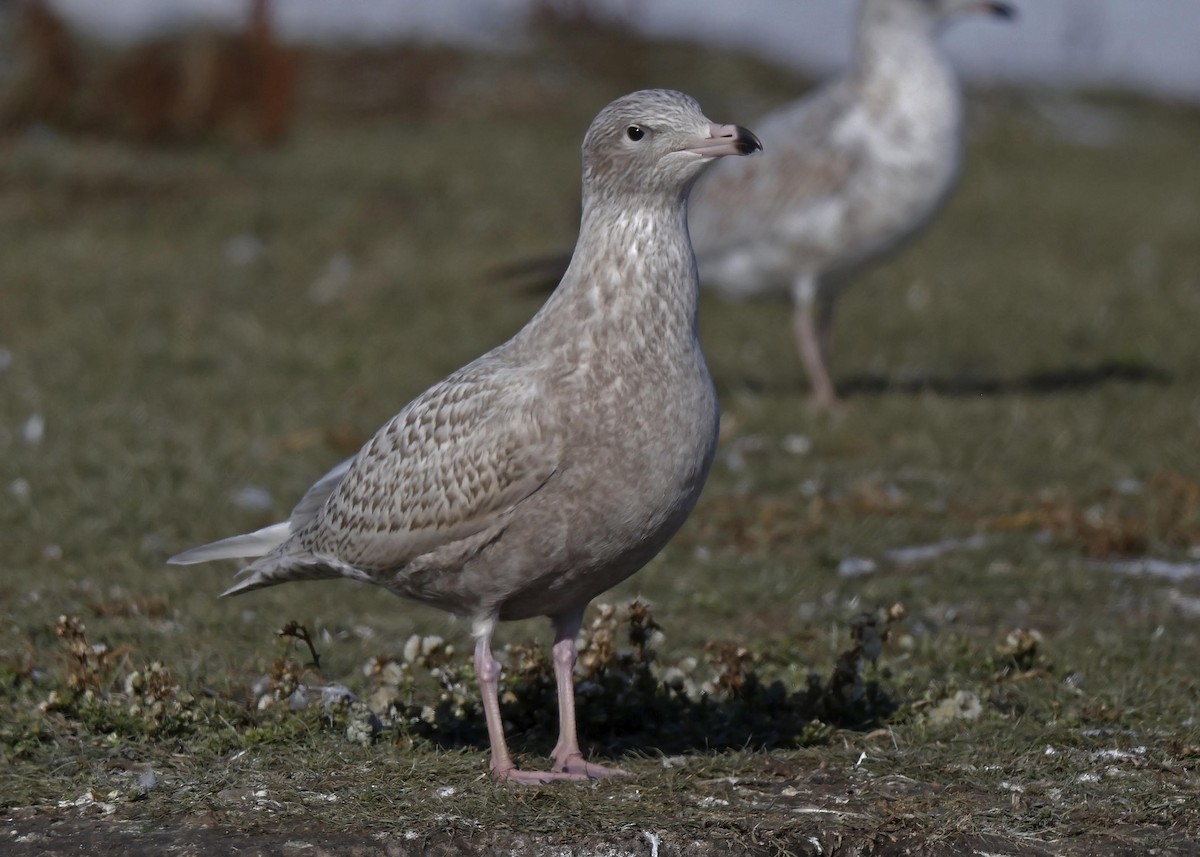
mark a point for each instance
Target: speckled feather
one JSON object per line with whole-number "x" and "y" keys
{"x": 850, "y": 172}
{"x": 560, "y": 462}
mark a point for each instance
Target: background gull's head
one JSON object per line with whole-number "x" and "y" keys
{"x": 930, "y": 14}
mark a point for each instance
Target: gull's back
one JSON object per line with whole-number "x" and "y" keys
{"x": 849, "y": 172}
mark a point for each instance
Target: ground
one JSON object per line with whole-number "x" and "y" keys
{"x": 191, "y": 335}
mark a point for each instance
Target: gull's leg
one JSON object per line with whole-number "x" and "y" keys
{"x": 567, "y": 756}
{"x": 487, "y": 670}
{"x": 811, "y": 322}
{"x": 825, "y": 302}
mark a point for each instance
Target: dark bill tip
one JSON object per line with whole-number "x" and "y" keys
{"x": 1002, "y": 10}
{"x": 746, "y": 141}
{"x": 723, "y": 140}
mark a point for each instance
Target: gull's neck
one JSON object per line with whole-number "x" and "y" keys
{"x": 887, "y": 48}
{"x": 901, "y": 73}
{"x": 632, "y": 278}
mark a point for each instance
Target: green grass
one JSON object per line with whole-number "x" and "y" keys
{"x": 1027, "y": 372}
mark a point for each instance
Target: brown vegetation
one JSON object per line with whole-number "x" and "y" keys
{"x": 189, "y": 87}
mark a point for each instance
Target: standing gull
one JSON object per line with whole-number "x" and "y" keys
{"x": 854, "y": 171}
{"x": 556, "y": 465}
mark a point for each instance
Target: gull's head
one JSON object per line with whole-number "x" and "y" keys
{"x": 931, "y": 14}
{"x": 656, "y": 141}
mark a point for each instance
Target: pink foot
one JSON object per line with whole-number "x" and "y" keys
{"x": 574, "y": 764}
{"x": 535, "y": 778}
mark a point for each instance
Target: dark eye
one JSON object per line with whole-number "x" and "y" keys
{"x": 635, "y": 133}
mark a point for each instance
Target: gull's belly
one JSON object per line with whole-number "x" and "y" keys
{"x": 652, "y": 459}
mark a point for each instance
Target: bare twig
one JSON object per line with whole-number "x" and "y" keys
{"x": 296, "y": 631}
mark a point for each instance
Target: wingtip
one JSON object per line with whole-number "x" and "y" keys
{"x": 242, "y": 586}
{"x": 245, "y": 546}
{"x": 187, "y": 557}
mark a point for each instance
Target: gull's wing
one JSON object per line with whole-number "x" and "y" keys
{"x": 314, "y": 498}
{"x": 451, "y": 464}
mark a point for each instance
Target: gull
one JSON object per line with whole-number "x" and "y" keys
{"x": 560, "y": 462}
{"x": 853, "y": 171}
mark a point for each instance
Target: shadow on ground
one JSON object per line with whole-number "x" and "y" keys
{"x": 630, "y": 702}
{"x": 1065, "y": 379}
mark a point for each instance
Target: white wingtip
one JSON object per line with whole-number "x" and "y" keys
{"x": 255, "y": 544}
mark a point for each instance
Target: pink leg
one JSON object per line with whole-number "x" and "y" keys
{"x": 487, "y": 670}
{"x": 567, "y": 756}
{"x": 825, "y": 302}
{"x": 812, "y": 337}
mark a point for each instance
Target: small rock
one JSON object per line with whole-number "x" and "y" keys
{"x": 332, "y": 283}
{"x": 34, "y": 429}
{"x": 926, "y": 553}
{"x": 20, "y": 489}
{"x": 252, "y": 498}
{"x": 243, "y": 250}
{"x": 856, "y": 566}
{"x": 797, "y": 444}
{"x": 1128, "y": 486}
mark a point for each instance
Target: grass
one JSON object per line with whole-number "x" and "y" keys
{"x": 1025, "y": 375}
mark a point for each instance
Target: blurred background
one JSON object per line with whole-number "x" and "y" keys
{"x": 1144, "y": 46}
{"x": 170, "y": 69}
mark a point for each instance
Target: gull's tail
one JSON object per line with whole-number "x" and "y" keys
{"x": 272, "y": 569}
{"x": 269, "y": 568}
{"x": 255, "y": 544}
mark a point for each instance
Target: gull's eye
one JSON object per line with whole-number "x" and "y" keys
{"x": 635, "y": 133}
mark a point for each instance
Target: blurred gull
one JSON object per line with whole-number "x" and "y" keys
{"x": 557, "y": 464}
{"x": 851, "y": 172}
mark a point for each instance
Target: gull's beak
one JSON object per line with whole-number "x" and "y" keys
{"x": 999, "y": 9}
{"x": 726, "y": 140}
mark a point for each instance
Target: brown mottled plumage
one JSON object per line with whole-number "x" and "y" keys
{"x": 559, "y": 463}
